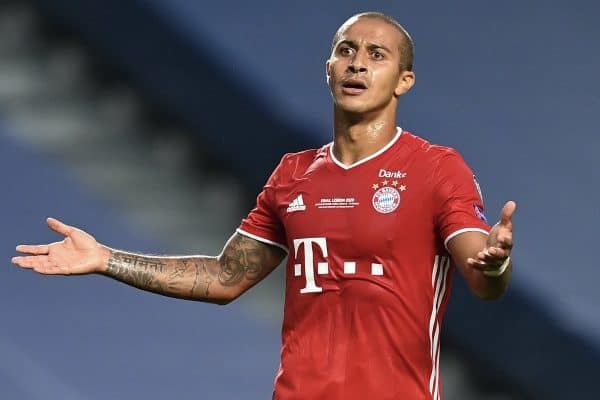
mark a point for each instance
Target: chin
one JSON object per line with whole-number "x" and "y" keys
{"x": 362, "y": 106}
{"x": 355, "y": 106}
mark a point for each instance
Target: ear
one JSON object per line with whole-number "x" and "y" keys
{"x": 406, "y": 80}
{"x": 327, "y": 70}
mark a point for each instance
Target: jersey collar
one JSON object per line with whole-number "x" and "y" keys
{"x": 372, "y": 156}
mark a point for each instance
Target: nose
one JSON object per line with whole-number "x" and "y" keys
{"x": 357, "y": 63}
{"x": 357, "y": 68}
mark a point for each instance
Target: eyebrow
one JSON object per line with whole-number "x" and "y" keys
{"x": 370, "y": 46}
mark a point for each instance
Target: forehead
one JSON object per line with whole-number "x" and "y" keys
{"x": 373, "y": 30}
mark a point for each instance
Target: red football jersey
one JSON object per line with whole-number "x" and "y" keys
{"x": 368, "y": 274}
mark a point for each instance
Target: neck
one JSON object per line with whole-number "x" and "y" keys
{"x": 358, "y": 137}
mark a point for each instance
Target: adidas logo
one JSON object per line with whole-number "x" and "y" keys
{"x": 296, "y": 205}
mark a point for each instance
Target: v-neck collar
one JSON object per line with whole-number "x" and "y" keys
{"x": 364, "y": 160}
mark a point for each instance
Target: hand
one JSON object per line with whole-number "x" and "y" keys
{"x": 78, "y": 253}
{"x": 499, "y": 242}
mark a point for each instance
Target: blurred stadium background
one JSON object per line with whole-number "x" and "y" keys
{"x": 154, "y": 123}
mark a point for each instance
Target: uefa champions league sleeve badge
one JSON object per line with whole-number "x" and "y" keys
{"x": 478, "y": 187}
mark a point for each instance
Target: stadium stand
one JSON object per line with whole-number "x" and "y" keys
{"x": 543, "y": 338}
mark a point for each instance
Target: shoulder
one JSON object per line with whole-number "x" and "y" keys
{"x": 436, "y": 158}
{"x": 427, "y": 150}
{"x": 304, "y": 156}
{"x": 294, "y": 164}
{"x": 440, "y": 162}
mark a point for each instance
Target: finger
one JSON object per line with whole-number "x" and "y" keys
{"x": 477, "y": 264}
{"x": 40, "y": 264}
{"x": 59, "y": 227}
{"x": 486, "y": 258}
{"x": 33, "y": 249}
{"x": 499, "y": 254}
{"x": 482, "y": 265}
{"x": 507, "y": 212}
{"x": 492, "y": 256}
{"x": 30, "y": 261}
{"x": 505, "y": 239}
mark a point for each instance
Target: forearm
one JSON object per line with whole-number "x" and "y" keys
{"x": 190, "y": 277}
{"x": 487, "y": 287}
{"x": 470, "y": 246}
{"x": 243, "y": 263}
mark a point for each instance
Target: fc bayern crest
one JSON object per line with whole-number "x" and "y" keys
{"x": 386, "y": 199}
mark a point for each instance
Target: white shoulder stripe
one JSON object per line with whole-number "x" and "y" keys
{"x": 458, "y": 232}
{"x": 260, "y": 239}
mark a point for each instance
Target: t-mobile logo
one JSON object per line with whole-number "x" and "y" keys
{"x": 322, "y": 267}
{"x": 309, "y": 266}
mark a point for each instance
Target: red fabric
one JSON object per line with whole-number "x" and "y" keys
{"x": 372, "y": 332}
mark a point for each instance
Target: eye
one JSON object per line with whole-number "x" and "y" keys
{"x": 345, "y": 51}
{"x": 377, "y": 55}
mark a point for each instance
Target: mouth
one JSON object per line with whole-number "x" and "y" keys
{"x": 354, "y": 87}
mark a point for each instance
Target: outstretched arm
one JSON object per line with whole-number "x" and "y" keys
{"x": 479, "y": 257}
{"x": 242, "y": 263}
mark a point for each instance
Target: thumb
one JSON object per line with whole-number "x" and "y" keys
{"x": 59, "y": 227}
{"x": 507, "y": 212}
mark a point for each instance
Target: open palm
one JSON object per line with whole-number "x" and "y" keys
{"x": 78, "y": 253}
{"x": 499, "y": 243}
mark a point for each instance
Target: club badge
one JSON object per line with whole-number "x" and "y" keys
{"x": 387, "y": 196}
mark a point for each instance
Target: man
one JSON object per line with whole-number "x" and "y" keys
{"x": 371, "y": 223}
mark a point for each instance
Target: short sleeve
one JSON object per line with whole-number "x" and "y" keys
{"x": 458, "y": 202}
{"x": 263, "y": 222}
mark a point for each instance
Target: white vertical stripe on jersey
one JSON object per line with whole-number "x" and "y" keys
{"x": 435, "y": 276}
{"x": 435, "y": 266}
{"x": 436, "y": 394}
{"x": 441, "y": 265}
{"x": 433, "y": 377}
{"x": 445, "y": 267}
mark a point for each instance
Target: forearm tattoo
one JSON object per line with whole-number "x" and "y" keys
{"x": 135, "y": 270}
{"x": 243, "y": 262}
